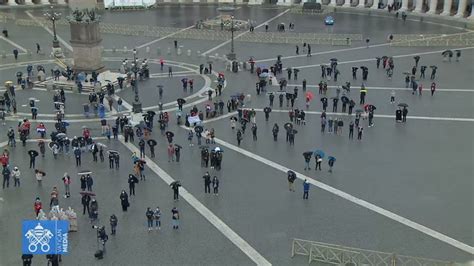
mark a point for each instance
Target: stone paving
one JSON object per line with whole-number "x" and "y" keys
{"x": 421, "y": 170}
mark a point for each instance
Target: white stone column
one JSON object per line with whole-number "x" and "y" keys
{"x": 44, "y": 2}
{"x": 461, "y": 8}
{"x": 375, "y": 4}
{"x": 389, "y": 3}
{"x": 61, "y": 2}
{"x": 29, "y": 2}
{"x": 284, "y": 2}
{"x": 447, "y": 7}
{"x": 12, "y": 3}
{"x": 405, "y": 5}
{"x": 419, "y": 6}
{"x": 361, "y": 4}
{"x": 332, "y": 3}
{"x": 254, "y": 2}
{"x": 433, "y": 5}
{"x": 347, "y": 3}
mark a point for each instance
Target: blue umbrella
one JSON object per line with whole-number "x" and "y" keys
{"x": 332, "y": 158}
{"x": 319, "y": 152}
{"x": 264, "y": 75}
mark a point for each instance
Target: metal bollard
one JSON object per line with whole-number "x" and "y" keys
{"x": 125, "y": 49}
{"x": 4, "y": 55}
{"x": 217, "y": 56}
{"x": 178, "y": 52}
{"x": 147, "y": 49}
{"x": 114, "y": 49}
{"x": 169, "y": 50}
{"x": 28, "y": 52}
{"x": 198, "y": 53}
{"x": 189, "y": 52}
{"x": 158, "y": 51}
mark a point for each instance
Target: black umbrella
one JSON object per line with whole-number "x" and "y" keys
{"x": 33, "y": 153}
{"x": 169, "y": 134}
{"x": 323, "y": 99}
{"x": 433, "y": 67}
{"x": 152, "y": 142}
{"x": 358, "y": 111}
{"x": 333, "y": 59}
{"x": 204, "y": 147}
{"x": 152, "y": 113}
{"x": 344, "y": 99}
{"x": 181, "y": 101}
{"x": 113, "y": 152}
{"x": 447, "y": 53}
{"x": 92, "y": 194}
{"x": 178, "y": 146}
{"x": 198, "y": 129}
{"x": 233, "y": 118}
{"x": 334, "y": 98}
{"x": 354, "y": 68}
{"x": 267, "y": 109}
{"x": 403, "y": 105}
{"x": 364, "y": 67}
{"x": 384, "y": 57}
{"x": 307, "y": 154}
{"x": 175, "y": 184}
{"x": 294, "y": 131}
{"x": 406, "y": 73}
{"x": 290, "y": 172}
{"x": 51, "y": 144}
{"x": 288, "y": 126}
{"x": 417, "y": 57}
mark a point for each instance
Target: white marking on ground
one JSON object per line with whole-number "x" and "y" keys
{"x": 421, "y": 228}
{"x": 245, "y": 32}
{"x": 61, "y": 40}
{"x": 204, "y": 211}
{"x": 353, "y": 48}
{"x": 14, "y": 44}
{"x": 382, "y": 88}
{"x": 164, "y": 37}
{"x": 373, "y": 59}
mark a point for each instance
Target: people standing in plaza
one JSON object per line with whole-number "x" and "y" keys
{"x": 207, "y": 182}
{"x": 124, "y": 200}
{"x": 360, "y": 130}
{"x": 67, "y": 182}
{"x": 175, "y": 186}
{"x": 77, "y": 155}
{"x": 6, "y": 177}
{"x": 149, "y": 218}
{"x": 291, "y": 180}
{"x": 157, "y": 217}
{"x": 89, "y": 182}
{"x": 16, "y": 176}
{"x": 175, "y": 218}
{"x": 433, "y": 88}
{"x": 113, "y": 224}
{"x": 132, "y": 180}
{"x": 85, "y": 201}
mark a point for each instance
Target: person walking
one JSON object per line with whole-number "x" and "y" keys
{"x": 132, "y": 180}
{"x": 351, "y": 130}
{"x": 16, "y": 176}
{"x": 207, "y": 182}
{"x": 171, "y": 152}
{"x": 157, "y": 217}
{"x": 77, "y": 155}
{"x": 360, "y": 130}
{"x": 305, "y": 189}
{"x": 215, "y": 186}
{"x": 318, "y": 160}
{"x": 141, "y": 145}
{"x": 124, "y": 200}
{"x": 33, "y": 154}
{"x": 404, "y": 114}
{"x": 149, "y": 218}
{"x": 175, "y": 218}
{"x": 254, "y": 132}
{"x": 175, "y": 186}
{"x": 113, "y": 224}
{"x": 433, "y": 88}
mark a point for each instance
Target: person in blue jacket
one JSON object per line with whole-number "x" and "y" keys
{"x": 305, "y": 189}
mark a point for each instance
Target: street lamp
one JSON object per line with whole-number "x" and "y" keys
{"x": 53, "y": 17}
{"x": 231, "y": 55}
{"x": 137, "y": 105}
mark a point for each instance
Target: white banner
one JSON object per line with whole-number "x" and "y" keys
{"x": 119, "y": 3}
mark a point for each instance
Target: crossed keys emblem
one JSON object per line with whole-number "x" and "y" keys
{"x": 39, "y": 236}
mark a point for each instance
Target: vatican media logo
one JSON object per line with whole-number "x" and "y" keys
{"x": 45, "y": 237}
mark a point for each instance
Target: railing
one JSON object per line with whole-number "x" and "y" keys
{"x": 341, "y": 255}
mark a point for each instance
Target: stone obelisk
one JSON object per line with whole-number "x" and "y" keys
{"x": 85, "y": 36}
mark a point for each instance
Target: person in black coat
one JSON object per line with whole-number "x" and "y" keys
{"x": 124, "y": 200}
{"x": 85, "y": 200}
{"x": 89, "y": 182}
{"x": 83, "y": 182}
{"x": 132, "y": 180}
{"x": 207, "y": 183}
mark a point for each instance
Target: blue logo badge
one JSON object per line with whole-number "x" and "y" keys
{"x": 45, "y": 237}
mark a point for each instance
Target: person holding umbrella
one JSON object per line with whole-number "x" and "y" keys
{"x": 267, "y": 111}
{"x": 307, "y": 158}
{"x": 291, "y": 180}
{"x": 152, "y": 143}
{"x": 175, "y": 186}
{"x": 124, "y": 200}
{"x": 433, "y": 72}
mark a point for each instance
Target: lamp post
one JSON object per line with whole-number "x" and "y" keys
{"x": 231, "y": 55}
{"x": 137, "y": 105}
{"x": 53, "y": 17}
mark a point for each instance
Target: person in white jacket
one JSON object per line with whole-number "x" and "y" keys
{"x": 16, "y": 176}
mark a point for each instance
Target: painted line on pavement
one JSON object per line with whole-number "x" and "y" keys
{"x": 373, "y": 59}
{"x": 383, "y": 88}
{"x": 395, "y": 217}
{"x": 164, "y": 37}
{"x": 204, "y": 211}
{"x": 14, "y": 44}
{"x": 67, "y": 45}
{"x": 354, "y": 48}
{"x": 245, "y": 32}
